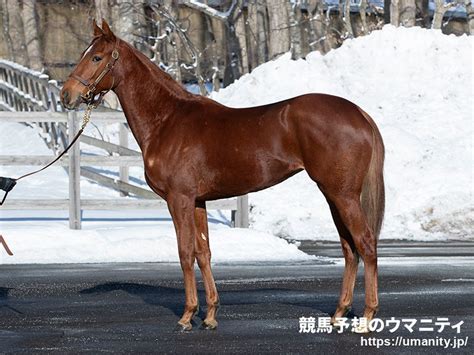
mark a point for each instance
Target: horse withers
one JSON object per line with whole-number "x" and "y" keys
{"x": 195, "y": 150}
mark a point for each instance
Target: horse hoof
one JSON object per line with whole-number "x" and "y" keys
{"x": 209, "y": 325}
{"x": 183, "y": 327}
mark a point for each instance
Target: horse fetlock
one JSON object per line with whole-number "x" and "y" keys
{"x": 370, "y": 311}
{"x": 188, "y": 314}
{"x": 342, "y": 311}
{"x": 191, "y": 309}
{"x": 214, "y": 304}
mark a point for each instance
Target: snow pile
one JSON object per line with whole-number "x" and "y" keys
{"x": 417, "y": 85}
{"x": 54, "y": 242}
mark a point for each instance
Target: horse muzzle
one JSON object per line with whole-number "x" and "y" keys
{"x": 68, "y": 101}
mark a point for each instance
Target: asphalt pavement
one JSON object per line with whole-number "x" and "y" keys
{"x": 125, "y": 308}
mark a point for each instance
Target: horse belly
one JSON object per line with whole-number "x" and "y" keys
{"x": 241, "y": 175}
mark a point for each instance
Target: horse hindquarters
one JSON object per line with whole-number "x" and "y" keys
{"x": 349, "y": 173}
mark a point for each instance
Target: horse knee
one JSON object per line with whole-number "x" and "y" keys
{"x": 186, "y": 259}
{"x": 350, "y": 256}
{"x": 370, "y": 257}
{"x": 203, "y": 259}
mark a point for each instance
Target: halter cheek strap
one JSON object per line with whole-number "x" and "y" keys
{"x": 91, "y": 86}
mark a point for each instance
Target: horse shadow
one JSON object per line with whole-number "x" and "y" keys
{"x": 4, "y": 296}
{"x": 173, "y": 298}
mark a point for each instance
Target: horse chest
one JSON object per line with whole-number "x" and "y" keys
{"x": 156, "y": 176}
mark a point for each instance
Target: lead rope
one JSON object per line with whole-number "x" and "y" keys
{"x": 7, "y": 184}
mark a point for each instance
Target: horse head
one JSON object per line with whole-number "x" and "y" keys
{"x": 94, "y": 75}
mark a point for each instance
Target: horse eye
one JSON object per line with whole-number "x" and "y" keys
{"x": 96, "y": 58}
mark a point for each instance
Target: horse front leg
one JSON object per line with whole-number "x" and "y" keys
{"x": 203, "y": 255}
{"x": 182, "y": 211}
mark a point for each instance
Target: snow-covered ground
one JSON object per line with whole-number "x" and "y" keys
{"x": 415, "y": 83}
{"x": 53, "y": 242}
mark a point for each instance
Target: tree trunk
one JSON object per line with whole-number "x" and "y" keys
{"x": 318, "y": 29}
{"x": 307, "y": 36}
{"x": 232, "y": 65}
{"x": 31, "y": 34}
{"x": 386, "y": 11}
{"x": 173, "y": 42}
{"x": 19, "y": 52}
{"x": 252, "y": 34}
{"x": 440, "y": 10}
{"x": 395, "y": 13}
{"x": 214, "y": 55}
{"x": 408, "y": 13}
{"x": 363, "y": 19}
{"x": 347, "y": 19}
{"x": 294, "y": 15}
{"x": 422, "y": 6}
{"x": 216, "y": 85}
{"x": 125, "y": 25}
{"x": 250, "y": 23}
{"x": 102, "y": 11}
{"x": 262, "y": 33}
{"x": 279, "y": 33}
{"x": 470, "y": 16}
{"x": 241, "y": 35}
{"x": 6, "y": 28}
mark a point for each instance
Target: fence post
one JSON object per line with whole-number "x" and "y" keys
{"x": 242, "y": 213}
{"x": 123, "y": 141}
{"x": 74, "y": 174}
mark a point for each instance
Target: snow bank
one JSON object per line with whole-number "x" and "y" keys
{"x": 417, "y": 85}
{"x": 54, "y": 242}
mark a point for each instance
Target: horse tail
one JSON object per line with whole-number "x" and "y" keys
{"x": 373, "y": 189}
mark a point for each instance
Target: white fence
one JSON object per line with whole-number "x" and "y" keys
{"x": 75, "y": 161}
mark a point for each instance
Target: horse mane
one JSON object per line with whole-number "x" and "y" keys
{"x": 171, "y": 85}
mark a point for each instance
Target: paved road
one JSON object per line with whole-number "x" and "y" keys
{"x": 119, "y": 308}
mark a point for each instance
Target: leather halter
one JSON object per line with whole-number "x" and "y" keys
{"x": 91, "y": 85}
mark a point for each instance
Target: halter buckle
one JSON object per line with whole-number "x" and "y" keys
{"x": 88, "y": 95}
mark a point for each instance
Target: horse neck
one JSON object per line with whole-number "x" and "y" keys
{"x": 147, "y": 95}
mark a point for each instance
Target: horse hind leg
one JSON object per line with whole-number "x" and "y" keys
{"x": 203, "y": 256}
{"x": 351, "y": 258}
{"x": 350, "y": 211}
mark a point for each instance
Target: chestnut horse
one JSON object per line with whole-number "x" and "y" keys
{"x": 195, "y": 150}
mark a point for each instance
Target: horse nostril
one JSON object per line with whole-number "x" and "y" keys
{"x": 65, "y": 96}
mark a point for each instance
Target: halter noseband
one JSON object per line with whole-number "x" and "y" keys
{"x": 88, "y": 97}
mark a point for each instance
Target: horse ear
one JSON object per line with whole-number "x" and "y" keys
{"x": 109, "y": 35}
{"x": 97, "y": 30}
